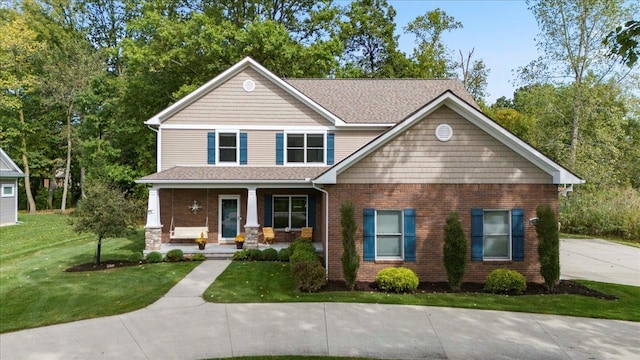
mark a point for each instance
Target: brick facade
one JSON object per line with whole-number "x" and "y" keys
{"x": 433, "y": 202}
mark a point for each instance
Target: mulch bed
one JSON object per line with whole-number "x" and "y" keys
{"x": 104, "y": 265}
{"x": 564, "y": 287}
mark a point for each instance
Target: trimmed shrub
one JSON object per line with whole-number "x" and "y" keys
{"x": 505, "y": 281}
{"x": 254, "y": 255}
{"x": 309, "y": 275}
{"x": 398, "y": 280}
{"x": 548, "y": 245}
{"x": 303, "y": 255}
{"x": 174, "y": 255}
{"x": 455, "y": 250}
{"x": 269, "y": 254}
{"x": 350, "y": 258}
{"x": 198, "y": 257}
{"x": 154, "y": 257}
{"x": 301, "y": 243}
{"x": 241, "y": 255}
{"x": 284, "y": 254}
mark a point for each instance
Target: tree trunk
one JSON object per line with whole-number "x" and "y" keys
{"x": 99, "y": 250}
{"x": 577, "y": 113}
{"x": 25, "y": 162}
{"x": 67, "y": 170}
{"x": 52, "y": 189}
{"x": 83, "y": 179}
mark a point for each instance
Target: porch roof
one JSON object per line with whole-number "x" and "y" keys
{"x": 225, "y": 174}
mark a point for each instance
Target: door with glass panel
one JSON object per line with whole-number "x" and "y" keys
{"x": 228, "y": 217}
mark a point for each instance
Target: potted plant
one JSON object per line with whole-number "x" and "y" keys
{"x": 201, "y": 241}
{"x": 239, "y": 241}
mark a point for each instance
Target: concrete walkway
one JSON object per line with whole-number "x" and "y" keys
{"x": 182, "y": 325}
{"x": 599, "y": 260}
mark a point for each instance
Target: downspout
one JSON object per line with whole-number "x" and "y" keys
{"x": 326, "y": 229}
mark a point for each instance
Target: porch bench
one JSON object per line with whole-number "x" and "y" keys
{"x": 189, "y": 232}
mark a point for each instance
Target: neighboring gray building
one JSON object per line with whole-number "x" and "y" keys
{"x": 9, "y": 175}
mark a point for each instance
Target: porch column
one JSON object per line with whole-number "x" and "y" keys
{"x": 153, "y": 228}
{"x": 251, "y": 227}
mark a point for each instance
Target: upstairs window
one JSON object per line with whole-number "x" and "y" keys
{"x": 305, "y": 148}
{"x": 228, "y": 147}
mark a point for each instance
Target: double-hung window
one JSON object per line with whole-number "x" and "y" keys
{"x": 8, "y": 190}
{"x": 228, "y": 147}
{"x": 497, "y": 234}
{"x": 289, "y": 211}
{"x": 305, "y": 148}
{"x": 389, "y": 244}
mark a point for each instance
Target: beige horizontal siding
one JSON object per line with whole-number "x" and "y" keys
{"x": 183, "y": 147}
{"x": 347, "y": 142}
{"x": 230, "y": 104}
{"x": 471, "y": 156}
{"x": 261, "y": 148}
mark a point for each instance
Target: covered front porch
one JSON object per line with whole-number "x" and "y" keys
{"x": 223, "y": 251}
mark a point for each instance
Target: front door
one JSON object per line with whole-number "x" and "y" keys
{"x": 229, "y": 217}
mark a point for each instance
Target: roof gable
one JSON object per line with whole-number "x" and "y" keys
{"x": 559, "y": 174}
{"x": 230, "y": 73}
{"x": 8, "y": 168}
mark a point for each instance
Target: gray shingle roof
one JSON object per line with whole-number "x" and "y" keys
{"x": 234, "y": 173}
{"x": 381, "y": 101}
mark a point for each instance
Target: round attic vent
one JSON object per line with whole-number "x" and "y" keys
{"x": 248, "y": 85}
{"x": 444, "y": 132}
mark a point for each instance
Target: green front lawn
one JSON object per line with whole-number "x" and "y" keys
{"x": 244, "y": 282}
{"x": 35, "y": 290}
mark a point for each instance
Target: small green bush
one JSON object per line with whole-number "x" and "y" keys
{"x": 154, "y": 257}
{"x": 309, "y": 275}
{"x": 174, "y": 255}
{"x": 241, "y": 255}
{"x": 254, "y": 255}
{"x": 269, "y": 254}
{"x": 505, "y": 281}
{"x": 303, "y": 255}
{"x": 284, "y": 254}
{"x": 398, "y": 280}
{"x": 300, "y": 243}
{"x": 198, "y": 257}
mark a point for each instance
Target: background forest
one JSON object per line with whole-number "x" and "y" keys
{"x": 79, "y": 77}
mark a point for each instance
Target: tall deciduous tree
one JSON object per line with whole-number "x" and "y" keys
{"x": 20, "y": 52}
{"x": 571, "y": 34}
{"x": 474, "y": 75}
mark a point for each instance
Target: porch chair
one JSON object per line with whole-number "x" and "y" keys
{"x": 307, "y": 233}
{"x": 268, "y": 236}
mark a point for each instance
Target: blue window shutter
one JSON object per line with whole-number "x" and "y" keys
{"x": 211, "y": 148}
{"x": 243, "y": 148}
{"x": 369, "y": 216}
{"x": 410, "y": 234}
{"x": 330, "y": 151}
{"x": 517, "y": 234}
{"x": 311, "y": 211}
{"x": 279, "y": 148}
{"x": 477, "y": 228}
{"x": 268, "y": 210}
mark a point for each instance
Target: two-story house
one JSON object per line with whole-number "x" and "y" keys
{"x": 249, "y": 150}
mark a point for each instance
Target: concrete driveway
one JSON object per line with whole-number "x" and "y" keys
{"x": 599, "y": 260}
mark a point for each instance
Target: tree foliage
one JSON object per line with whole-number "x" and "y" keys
{"x": 105, "y": 212}
{"x": 455, "y": 250}
{"x": 625, "y": 42}
{"x": 350, "y": 257}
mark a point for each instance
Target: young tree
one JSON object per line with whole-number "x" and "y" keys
{"x": 350, "y": 258}
{"x": 105, "y": 212}
{"x": 455, "y": 250}
{"x": 548, "y": 245}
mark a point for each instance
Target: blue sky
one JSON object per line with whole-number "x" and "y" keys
{"x": 501, "y": 31}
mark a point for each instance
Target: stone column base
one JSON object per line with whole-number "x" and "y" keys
{"x": 251, "y": 235}
{"x": 153, "y": 237}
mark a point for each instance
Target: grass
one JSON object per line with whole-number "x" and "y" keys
{"x": 36, "y": 291}
{"x": 263, "y": 282}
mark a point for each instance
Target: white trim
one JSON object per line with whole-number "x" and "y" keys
{"x": 228, "y": 74}
{"x": 159, "y": 150}
{"x": 509, "y": 242}
{"x": 560, "y": 174}
{"x": 8, "y": 186}
{"x": 280, "y": 128}
{"x": 305, "y": 148}
{"x": 238, "y": 218}
{"x": 10, "y": 161}
{"x": 199, "y": 184}
{"x": 375, "y": 236}
{"x": 218, "y": 143}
